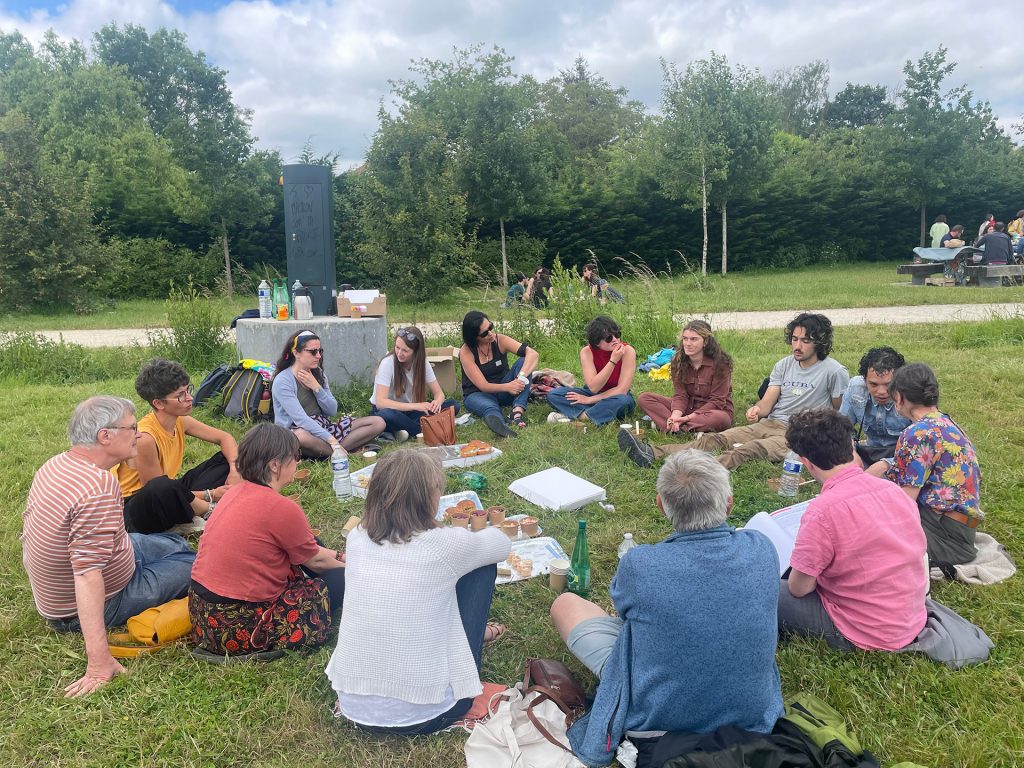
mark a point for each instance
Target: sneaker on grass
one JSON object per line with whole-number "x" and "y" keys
{"x": 639, "y": 452}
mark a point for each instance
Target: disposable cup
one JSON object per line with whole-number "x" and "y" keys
{"x": 560, "y": 566}
{"x": 557, "y": 581}
{"x": 478, "y": 520}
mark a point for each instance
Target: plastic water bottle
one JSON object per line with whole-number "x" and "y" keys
{"x": 265, "y": 302}
{"x": 626, "y": 544}
{"x": 342, "y": 479}
{"x": 789, "y": 483}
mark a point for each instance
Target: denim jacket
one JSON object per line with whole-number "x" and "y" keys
{"x": 881, "y": 425}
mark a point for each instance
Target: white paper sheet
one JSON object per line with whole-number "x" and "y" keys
{"x": 780, "y": 527}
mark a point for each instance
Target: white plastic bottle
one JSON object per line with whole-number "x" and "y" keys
{"x": 342, "y": 479}
{"x": 789, "y": 482}
{"x": 626, "y": 544}
{"x": 265, "y": 302}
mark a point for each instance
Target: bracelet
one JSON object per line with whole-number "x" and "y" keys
{"x": 209, "y": 496}
{"x": 339, "y": 556}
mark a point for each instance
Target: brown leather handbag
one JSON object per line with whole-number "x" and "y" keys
{"x": 551, "y": 679}
{"x": 439, "y": 428}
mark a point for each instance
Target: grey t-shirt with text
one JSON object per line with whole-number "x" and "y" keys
{"x": 805, "y": 388}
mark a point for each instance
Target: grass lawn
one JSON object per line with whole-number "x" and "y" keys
{"x": 173, "y": 710}
{"x": 821, "y": 287}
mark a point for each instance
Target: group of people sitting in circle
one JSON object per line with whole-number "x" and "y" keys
{"x": 411, "y": 598}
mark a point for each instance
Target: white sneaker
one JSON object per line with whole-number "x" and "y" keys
{"x": 401, "y": 436}
{"x": 554, "y": 417}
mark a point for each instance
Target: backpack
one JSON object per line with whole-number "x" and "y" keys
{"x": 826, "y": 727}
{"x": 243, "y": 394}
{"x": 213, "y": 383}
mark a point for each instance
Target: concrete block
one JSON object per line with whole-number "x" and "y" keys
{"x": 352, "y": 348}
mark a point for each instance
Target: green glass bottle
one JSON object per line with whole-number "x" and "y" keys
{"x": 579, "y": 571}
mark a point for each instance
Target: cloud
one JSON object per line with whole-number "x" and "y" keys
{"x": 319, "y": 69}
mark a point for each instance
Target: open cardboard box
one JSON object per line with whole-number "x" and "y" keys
{"x": 373, "y": 307}
{"x": 442, "y": 360}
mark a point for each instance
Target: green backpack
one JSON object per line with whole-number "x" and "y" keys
{"x": 822, "y": 724}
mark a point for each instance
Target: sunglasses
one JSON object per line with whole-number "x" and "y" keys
{"x": 408, "y": 335}
{"x": 182, "y": 397}
{"x": 612, "y": 337}
{"x": 315, "y": 352}
{"x": 485, "y": 334}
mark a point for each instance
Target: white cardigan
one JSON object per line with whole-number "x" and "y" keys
{"x": 401, "y": 633}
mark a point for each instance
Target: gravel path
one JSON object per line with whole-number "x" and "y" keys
{"x": 719, "y": 321}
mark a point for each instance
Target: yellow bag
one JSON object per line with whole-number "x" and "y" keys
{"x": 153, "y": 629}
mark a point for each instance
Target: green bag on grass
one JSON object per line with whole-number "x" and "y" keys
{"x": 822, "y": 724}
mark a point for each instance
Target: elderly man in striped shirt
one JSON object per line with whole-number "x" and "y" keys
{"x": 86, "y": 572}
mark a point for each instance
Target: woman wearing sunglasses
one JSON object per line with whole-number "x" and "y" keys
{"x": 400, "y": 388}
{"x": 417, "y": 598}
{"x": 261, "y": 582}
{"x": 488, "y": 383}
{"x": 609, "y": 365}
{"x": 303, "y": 401}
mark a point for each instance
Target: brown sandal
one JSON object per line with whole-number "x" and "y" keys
{"x": 493, "y": 632}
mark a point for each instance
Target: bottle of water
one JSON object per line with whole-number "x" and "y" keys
{"x": 265, "y": 301}
{"x": 789, "y": 483}
{"x": 342, "y": 479}
{"x": 626, "y": 544}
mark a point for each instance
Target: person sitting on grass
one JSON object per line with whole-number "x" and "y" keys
{"x": 261, "y": 582}
{"x": 488, "y": 383}
{"x": 858, "y": 576}
{"x": 867, "y": 404}
{"x": 304, "y": 403}
{"x": 155, "y": 498}
{"x": 516, "y": 291}
{"x": 417, "y": 597}
{"x": 400, "y": 387}
{"x": 692, "y": 647}
{"x": 85, "y": 570}
{"x": 701, "y": 382}
{"x": 609, "y": 365}
{"x": 538, "y": 288}
{"x": 936, "y": 466}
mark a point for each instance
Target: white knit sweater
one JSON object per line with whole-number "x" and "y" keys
{"x": 401, "y": 633}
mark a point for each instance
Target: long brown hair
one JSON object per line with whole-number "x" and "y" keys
{"x": 413, "y": 338}
{"x": 403, "y": 494}
{"x": 722, "y": 363}
{"x": 295, "y": 344}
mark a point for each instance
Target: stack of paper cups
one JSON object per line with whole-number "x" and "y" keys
{"x": 557, "y": 573}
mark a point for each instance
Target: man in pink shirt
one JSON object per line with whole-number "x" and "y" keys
{"x": 858, "y": 576}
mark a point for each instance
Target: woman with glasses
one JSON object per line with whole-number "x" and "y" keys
{"x": 609, "y": 365}
{"x": 702, "y": 386}
{"x": 156, "y": 500}
{"x": 261, "y": 582}
{"x": 417, "y": 599}
{"x": 303, "y": 402}
{"x": 488, "y": 383}
{"x": 400, "y": 388}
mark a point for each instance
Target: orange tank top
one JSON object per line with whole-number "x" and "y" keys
{"x": 170, "y": 448}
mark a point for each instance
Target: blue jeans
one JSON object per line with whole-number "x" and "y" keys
{"x": 163, "y": 570}
{"x": 474, "y": 592}
{"x": 601, "y": 412}
{"x": 482, "y": 403}
{"x": 407, "y": 420}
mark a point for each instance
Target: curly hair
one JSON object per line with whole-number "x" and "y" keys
{"x": 822, "y": 435}
{"x": 881, "y": 360}
{"x": 722, "y": 363}
{"x": 158, "y": 378}
{"x": 818, "y": 329}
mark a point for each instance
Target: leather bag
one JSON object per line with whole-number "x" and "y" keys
{"x": 439, "y": 428}
{"x": 552, "y": 681}
{"x": 153, "y": 629}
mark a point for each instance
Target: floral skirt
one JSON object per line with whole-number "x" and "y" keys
{"x": 339, "y": 429}
{"x": 299, "y": 618}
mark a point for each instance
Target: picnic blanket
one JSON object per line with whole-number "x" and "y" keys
{"x": 992, "y": 565}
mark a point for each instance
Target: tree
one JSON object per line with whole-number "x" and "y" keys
{"x": 858, "y": 105}
{"x": 802, "y": 95}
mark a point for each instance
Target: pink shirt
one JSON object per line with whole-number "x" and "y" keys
{"x": 863, "y": 542}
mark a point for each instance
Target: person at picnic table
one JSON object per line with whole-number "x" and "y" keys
{"x": 1015, "y": 229}
{"x": 702, "y": 386}
{"x": 488, "y": 383}
{"x": 156, "y": 499}
{"x": 938, "y": 230}
{"x": 405, "y": 388}
{"x": 936, "y": 466}
{"x": 998, "y": 246}
{"x": 261, "y": 582}
{"x": 692, "y": 645}
{"x": 609, "y": 365}
{"x": 858, "y": 576}
{"x": 86, "y": 572}
{"x": 417, "y": 598}
{"x": 303, "y": 402}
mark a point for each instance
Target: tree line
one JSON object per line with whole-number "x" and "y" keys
{"x": 126, "y": 165}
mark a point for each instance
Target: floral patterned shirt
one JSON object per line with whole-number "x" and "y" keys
{"x": 934, "y": 454}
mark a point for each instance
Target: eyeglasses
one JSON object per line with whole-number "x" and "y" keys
{"x": 407, "y": 334}
{"x": 484, "y": 334}
{"x": 314, "y": 352}
{"x": 181, "y": 397}
{"x": 133, "y": 427}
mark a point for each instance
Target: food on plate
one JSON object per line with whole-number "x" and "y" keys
{"x": 529, "y": 525}
{"x": 475, "y": 448}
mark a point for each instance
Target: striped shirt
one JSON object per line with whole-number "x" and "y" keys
{"x": 73, "y": 523}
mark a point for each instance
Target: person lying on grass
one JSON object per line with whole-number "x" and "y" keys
{"x": 156, "y": 499}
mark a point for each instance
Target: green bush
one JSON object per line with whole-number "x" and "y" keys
{"x": 196, "y": 332}
{"x": 32, "y": 358}
{"x": 149, "y": 267}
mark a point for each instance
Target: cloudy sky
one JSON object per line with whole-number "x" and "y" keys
{"x": 317, "y": 69}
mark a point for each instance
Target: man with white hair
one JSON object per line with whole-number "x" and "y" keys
{"x": 85, "y": 571}
{"x": 693, "y": 646}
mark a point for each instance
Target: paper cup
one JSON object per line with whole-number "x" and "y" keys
{"x": 559, "y": 566}
{"x": 529, "y": 526}
{"x": 478, "y": 520}
{"x": 510, "y": 528}
{"x": 557, "y": 581}
{"x": 496, "y": 515}
{"x": 460, "y": 520}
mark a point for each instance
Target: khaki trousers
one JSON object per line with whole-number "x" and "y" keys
{"x": 764, "y": 440}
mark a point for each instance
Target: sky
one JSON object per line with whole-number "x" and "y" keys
{"x": 316, "y": 70}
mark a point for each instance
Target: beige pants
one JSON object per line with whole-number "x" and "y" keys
{"x": 764, "y": 440}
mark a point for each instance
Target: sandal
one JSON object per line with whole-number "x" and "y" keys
{"x": 518, "y": 417}
{"x": 493, "y": 632}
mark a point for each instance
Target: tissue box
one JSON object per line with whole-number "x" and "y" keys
{"x": 557, "y": 489}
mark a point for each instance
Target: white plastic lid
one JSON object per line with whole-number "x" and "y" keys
{"x": 627, "y": 535}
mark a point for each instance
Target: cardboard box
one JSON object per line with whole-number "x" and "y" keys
{"x": 351, "y": 304}
{"x": 557, "y": 489}
{"x": 441, "y": 359}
